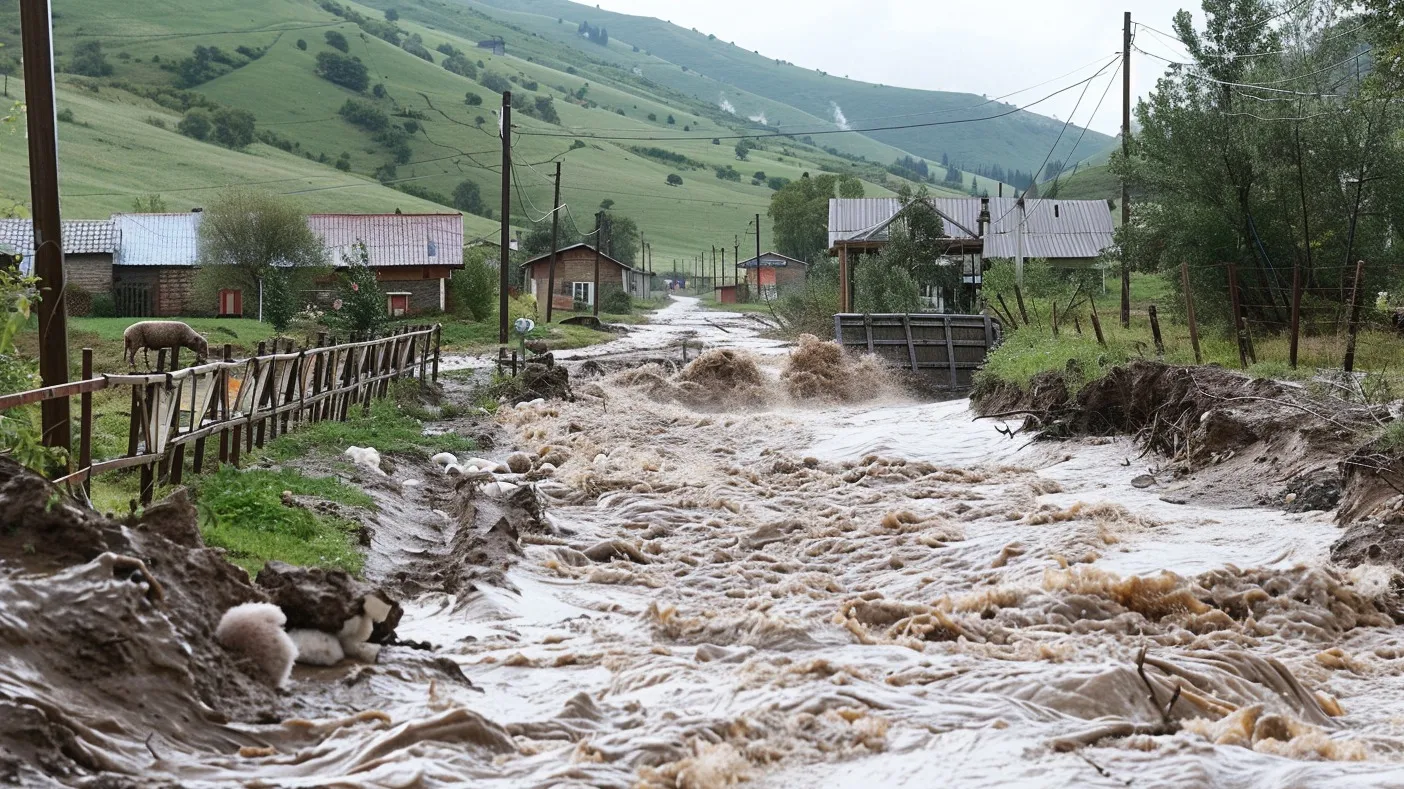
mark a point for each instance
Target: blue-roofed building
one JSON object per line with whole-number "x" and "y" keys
{"x": 153, "y": 271}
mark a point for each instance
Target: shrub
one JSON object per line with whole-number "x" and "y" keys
{"x": 364, "y": 114}
{"x": 344, "y": 70}
{"x": 232, "y": 128}
{"x": 616, "y": 302}
{"x": 336, "y": 40}
{"x": 302, "y": 44}
{"x": 89, "y": 61}
{"x": 102, "y": 305}
{"x": 358, "y": 308}
{"x": 674, "y": 179}
{"x": 379, "y": 90}
{"x": 475, "y": 287}
{"x": 468, "y": 198}
{"x": 472, "y": 99}
{"x": 728, "y": 173}
{"x": 495, "y": 82}
{"x": 159, "y": 123}
{"x": 196, "y": 124}
{"x": 65, "y": 115}
{"x": 545, "y": 109}
{"x": 460, "y": 65}
{"x": 343, "y": 163}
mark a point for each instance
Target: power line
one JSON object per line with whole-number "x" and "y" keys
{"x": 819, "y": 132}
{"x": 208, "y": 32}
{"x": 1264, "y": 87}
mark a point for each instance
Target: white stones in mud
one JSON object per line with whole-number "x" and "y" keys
{"x": 365, "y": 457}
{"x": 499, "y": 490}
{"x": 444, "y": 459}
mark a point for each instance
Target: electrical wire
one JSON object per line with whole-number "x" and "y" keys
{"x": 1249, "y": 86}
{"x": 1241, "y": 55}
{"x": 819, "y": 132}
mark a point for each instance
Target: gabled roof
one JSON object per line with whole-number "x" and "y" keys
{"x": 1054, "y": 228}
{"x": 771, "y": 260}
{"x": 80, "y": 237}
{"x": 603, "y": 257}
{"x": 158, "y": 239}
{"x": 393, "y": 239}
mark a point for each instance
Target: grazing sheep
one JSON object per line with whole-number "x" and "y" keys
{"x": 256, "y": 630}
{"x": 146, "y": 335}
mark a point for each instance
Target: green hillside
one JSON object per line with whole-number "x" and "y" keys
{"x": 1089, "y": 183}
{"x": 620, "y": 121}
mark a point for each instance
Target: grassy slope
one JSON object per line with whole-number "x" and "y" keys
{"x": 1089, "y": 183}
{"x": 1018, "y": 141}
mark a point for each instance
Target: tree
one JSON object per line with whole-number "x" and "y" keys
{"x": 344, "y": 70}
{"x": 149, "y": 204}
{"x": 742, "y": 151}
{"x": 89, "y": 61}
{"x": 544, "y": 107}
{"x": 232, "y": 128}
{"x": 245, "y": 234}
{"x": 196, "y": 124}
{"x": 799, "y": 213}
{"x": 850, "y": 187}
{"x": 391, "y": 15}
{"x": 606, "y": 204}
{"x": 302, "y": 44}
{"x": 537, "y": 241}
{"x": 280, "y": 298}
{"x": 475, "y": 286}
{"x": 621, "y": 239}
{"x": 336, "y": 40}
{"x": 672, "y": 121}
{"x": 472, "y": 99}
{"x": 358, "y": 303}
{"x": 468, "y": 198}
{"x": 459, "y": 64}
{"x": 495, "y": 82}
{"x": 674, "y": 179}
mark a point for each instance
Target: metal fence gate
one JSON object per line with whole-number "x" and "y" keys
{"x": 945, "y": 348}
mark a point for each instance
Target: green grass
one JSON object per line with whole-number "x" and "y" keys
{"x": 1090, "y": 183}
{"x": 243, "y": 512}
{"x": 386, "y": 426}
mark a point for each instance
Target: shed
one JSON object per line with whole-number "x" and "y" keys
{"x": 153, "y": 270}
{"x": 773, "y": 271}
{"x": 413, "y": 255}
{"x": 88, "y": 246}
{"x": 575, "y": 276}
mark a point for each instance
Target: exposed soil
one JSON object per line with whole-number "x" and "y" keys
{"x": 1225, "y": 435}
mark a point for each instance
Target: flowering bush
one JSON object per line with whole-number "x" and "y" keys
{"x": 359, "y": 308}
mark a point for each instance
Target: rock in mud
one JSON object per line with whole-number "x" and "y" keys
{"x": 542, "y": 382}
{"x": 1370, "y": 542}
{"x": 609, "y": 550}
{"x": 317, "y": 598}
{"x": 519, "y": 462}
{"x": 1314, "y": 491}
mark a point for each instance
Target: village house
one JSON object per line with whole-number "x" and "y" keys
{"x": 1065, "y": 233}
{"x": 772, "y": 273}
{"x": 88, "y": 248}
{"x": 575, "y": 276}
{"x": 148, "y": 262}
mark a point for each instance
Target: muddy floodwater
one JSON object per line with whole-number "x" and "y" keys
{"x": 876, "y": 593}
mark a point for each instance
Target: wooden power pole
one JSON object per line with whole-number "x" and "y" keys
{"x": 1125, "y": 151}
{"x": 758, "y": 266}
{"x": 38, "y": 51}
{"x": 506, "y": 218}
{"x": 599, "y": 239}
{"x": 555, "y": 231}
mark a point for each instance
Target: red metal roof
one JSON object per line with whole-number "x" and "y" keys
{"x": 393, "y": 239}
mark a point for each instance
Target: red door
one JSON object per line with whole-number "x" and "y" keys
{"x": 399, "y": 305}
{"x": 231, "y": 303}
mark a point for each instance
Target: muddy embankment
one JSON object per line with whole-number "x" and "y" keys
{"x": 1222, "y": 437}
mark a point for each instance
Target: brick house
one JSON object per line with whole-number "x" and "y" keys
{"x": 153, "y": 270}
{"x": 575, "y": 276}
{"x": 774, "y": 272}
{"x": 88, "y": 248}
{"x": 414, "y": 255}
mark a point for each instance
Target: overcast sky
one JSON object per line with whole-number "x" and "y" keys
{"x": 991, "y": 47}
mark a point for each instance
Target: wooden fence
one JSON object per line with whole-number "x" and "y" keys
{"x": 946, "y": 348}
{"x": 236, "y": 404}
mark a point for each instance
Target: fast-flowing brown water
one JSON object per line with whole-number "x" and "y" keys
{"x": 872, "y": 592}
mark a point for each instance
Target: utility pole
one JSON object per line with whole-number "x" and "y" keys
{"x": 1019, "y": 252}
{"x": 555, "y": 230}
{"x": 599, "y": 239}
{"x": 723, "y": 267}
{"x": 758, "y": 267}
{"x": 37, "y": 44}
{"x": 643, "y": 267}
{"x": 506, "y": 238}
{"x": 714, "y": 268}
{"x": 1126, "y": 152}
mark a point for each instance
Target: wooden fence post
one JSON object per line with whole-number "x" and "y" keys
{"x": 1354, "y": 315}
{"x": 1236, "y": 315}
{"x": 261, "y": 396}
{"x": 1155, "y": 330}
{"x": 85, "y": 426}
{"x": 1096, "y": 323}
{"x": 1019, "y": 299}
{"x": 1189, "y": 312}
{"x": 1296, "y": 310}
{"x": 437, "y": 335}
{"x": 1055, "y": 317}
{"x": 319, "y": 363}
{"x": 224, "y": 407}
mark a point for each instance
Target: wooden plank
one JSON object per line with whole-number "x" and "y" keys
{"x": 84, "y": 474}
{"x": 950, "y": 353}
{"x": 85, "y": 423}
{"x": 911, "y": 348}
{"x": 52, "y": 392}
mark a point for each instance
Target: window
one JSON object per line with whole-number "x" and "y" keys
{"x": 583, "y": 291}
{"x": 933, "y": 298}
{"x": 433, "y": 249}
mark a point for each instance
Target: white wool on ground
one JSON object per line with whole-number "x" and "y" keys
{"x": 256, "y": 630}
{"x": 366, "y": 457}
{"x": 499, "y": 489}
{"x": 602, "y": 457}
{"x": 411, "y": 483}
{"x": 444, "y": 459}
{"x": 356, "y": 631}
{"x": 315, "y": 648}
{"x": 377, "y": 609}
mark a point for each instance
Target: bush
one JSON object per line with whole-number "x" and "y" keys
{"x": 336, "y": 40}
{"x": 343, "y": 162}
{"x": 344, "y": 70}
{"x": 196, "y": 124}
{"x": 545, "y": 109}
{"x": 472, "y": 99}
{"x": 302, "y": 44}
{"x": 102, "y": 305}
{"x": 674, "y": 179}
{"x": 495, "y": 82}
{"x": 364, "y": 114}
{"x": 358, "y": 308}
{"x": 65, "y": 115}
{"x": 232, "y": 128}
{"x": 468, "y": 198}
{"x": 460, "y": 65}
{"x": 616, "y": 301}
{"x": 475, "y": 287}
{"x": 89, "y": 61}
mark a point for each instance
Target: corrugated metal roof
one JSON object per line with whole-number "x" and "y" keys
{"x": 80, "y": 237}
{"x": 393, "y": 239}
{"x": 603, "y": 257}
{"x": 157, "y": 239}
{"x": 1054, "y": 228}
{"x": 771, "y": 260}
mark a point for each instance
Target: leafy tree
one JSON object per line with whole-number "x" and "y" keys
{"x": 472, "y": 99}
{"x": 475, "y": 286}
{"x": 280, "y": 298}
{"x": 302, "y": 44}
{"x": 204, "y": 64}
{"x": 196, "y": 124}
{"x": 379, "y": 90}
{"x": 914, "y": 256}
{"x": 672, "y": 121}
{"x": 89, "y": 61}
{"x": 245, "y": 234}
{"x": 391, "y": 15}
{"x": 344, "y": 70}
{"x": 545, "y": 108}
{"x": 653, "y": 116}
{"x": 799, "y": 213}
{"x": 537, "y": 241}
{"x": 468, "y": 198}
{"x": 149, "y": 204}
{"x": 364, "y": 114}
{"x": 621, "y": 238}
{"x": 728, "y": 173}
{"x": 495, "y": 82}
{"x": 336, "y": 40}
{"x": 232, "y": 128}
{"x": 459, "y": 64}
{"x": 850, "y": 187}
{"x": 343, "y": 162}
{"x": 742, "y": 151}
{"x": 716, "y": 141}
{"x": 674, "y": 179}
{"x": 606, "y": 204}
{"x": 776, "y": 183}
{"x": 358, "y": 307}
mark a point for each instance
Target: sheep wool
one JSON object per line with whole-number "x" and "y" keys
{"x": 256, "y": 631}
{"x": 315, "y": 648}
